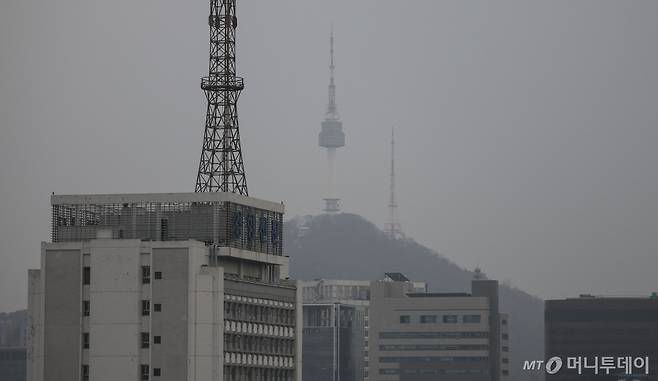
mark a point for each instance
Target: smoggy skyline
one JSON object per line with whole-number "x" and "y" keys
{"x": 525, "y": 130}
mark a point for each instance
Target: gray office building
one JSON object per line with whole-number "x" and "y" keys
{"x": 12, "y": 364}
{"x": 186, "y": 286}
{"x": 423, "y": 336}
{"x": 603, "y": 338}
{"x": 332, "y": 342}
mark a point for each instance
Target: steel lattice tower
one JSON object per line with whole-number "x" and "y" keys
{"x": 221, "y": 168}
{"x": 393, "y": 226}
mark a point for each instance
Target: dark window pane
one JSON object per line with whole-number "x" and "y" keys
{"x": 86, "y": 275}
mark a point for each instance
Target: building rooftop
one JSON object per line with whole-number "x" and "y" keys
{"x": 215, "y": 218}
{"x": 396, "y": 277}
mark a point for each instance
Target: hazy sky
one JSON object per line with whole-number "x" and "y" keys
{"x": 526, "y": 129}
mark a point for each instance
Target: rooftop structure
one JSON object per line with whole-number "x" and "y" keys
{"x": 217, "y": 219}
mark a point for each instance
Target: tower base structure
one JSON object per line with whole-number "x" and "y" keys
{"x": 331, "y": 205}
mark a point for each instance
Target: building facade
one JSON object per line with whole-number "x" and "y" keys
{"x": 348, "y": 294}
{"x": 12, "y": 364}
{"x": 332, "y": 342}
{"x": 603, "y": 338}
{"x": 164, "y": 287}
{"x": 421, "y": 336}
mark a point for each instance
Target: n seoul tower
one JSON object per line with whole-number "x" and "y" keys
{"x": 331, "y": 136}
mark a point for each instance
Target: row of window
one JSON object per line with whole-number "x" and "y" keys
{"x": 267, "y": 302}
{"x": 416, "y": 359}
{"x": 256, "y": 313}
{"x": 145, "y": 340}
{"x": 256, "y": 344}
{"x": 146, "y": 275}
{"x": 144, "y": 372}
{"x": 432, "y": 371}
{"x": 259, "y": 360}
{"x": 256, "y": 328}
{"x": 238, "y": 373}
{"x": 434, "y": 347}
{"x": 447, "y": 319}
{"x": 433, "y": 335}
{"x": 146, "y": 307}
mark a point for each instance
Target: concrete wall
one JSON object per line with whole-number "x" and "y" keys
{"x": 114, "y": 321}
{"x": 62, "y": 313}
{"x": 34, "y": 355}
{"x": 171, "y": 323}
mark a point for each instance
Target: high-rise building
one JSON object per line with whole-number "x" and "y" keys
{"x": 332, "y": 342}
{"x": 331, "y": 137}
{"x": 164, "y": 287}
{"x": 436, "y": 336}
{"x": 603, "y": 338}
{"x": 348, "y": 294}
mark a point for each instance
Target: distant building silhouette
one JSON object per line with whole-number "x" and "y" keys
{"x": 590, "y": 328}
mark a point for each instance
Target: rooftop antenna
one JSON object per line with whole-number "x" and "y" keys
{"x": 221, "y": 168}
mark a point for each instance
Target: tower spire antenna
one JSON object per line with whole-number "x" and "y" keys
{"x": 332, "y": 110}
{"x": 331, "y": 134}
{"x": 221, "y": 168}
{"x": 392, "y": 228}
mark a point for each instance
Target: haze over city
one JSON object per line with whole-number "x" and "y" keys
{"x": 525, "y": 130}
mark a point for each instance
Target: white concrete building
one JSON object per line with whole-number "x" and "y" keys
{"x": 122, "y": 294}
{"x": 422, "y": 336}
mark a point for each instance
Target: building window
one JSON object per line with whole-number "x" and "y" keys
{"x": 146, "y": 274}
{"x": 86, "y": 308}
{"x": 428, "y": 319}
{"x": 146, "y": 307}
{"x": 505, "y": 349}
{"x": 85, "y": 372}
{"x": 505, "y": 360}
{"x": 144, "y": 372}
{"x": 505, "y": 372}
{"x": 504, "y": 322}
{"x": 472, "y": 318}
{"x": 158, "y": 275}
{"x": 157, "y": 307}
{"x": 85, "y": 340}
{"x": 145, "y": 339}
{"x": 505, "y": 336}
{"x": 405, "y": 319}
{"x": 156, "y": 372}
{"x": 157, "y": 339}
{"x": 86, "y": 275}
{"x": 450, "y": 319}
{"x": 164, "y": 229}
